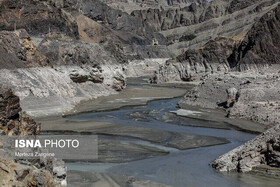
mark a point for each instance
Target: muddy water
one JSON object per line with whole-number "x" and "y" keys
{"x": 180, "y": 167}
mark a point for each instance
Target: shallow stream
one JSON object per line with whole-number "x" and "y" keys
{"x": 179, "y": 167}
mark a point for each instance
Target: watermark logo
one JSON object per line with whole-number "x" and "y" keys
{"x": 67, "y": 147}
{"x": 26, "y": 143}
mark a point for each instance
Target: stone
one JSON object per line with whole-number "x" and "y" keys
{"x": 259, "y": 151}
{"x": 232, "y": 97}
{"x": 9, "y": 103}
{"x": 21, "y": 173}
{"x": 60, "y": 172}
{"x": 4, "y": 167}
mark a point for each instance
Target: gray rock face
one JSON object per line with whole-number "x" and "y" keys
{"x": 47, "y": 91}
{"x": 129, "y": 29}
{"x": 95, "y": 76}
{"x": 17, "y": 51}
{"x": 229, "y": 52}
{"x": 173, "y": 18}
{"x": 12, "y": 122}
{"x": 36, "y": 17}
{"x": 261, "y": 46}
{"x": 73, "y": 52}
{"x": 130, "y": 5}
{"x": 9, "y": 103}
{"x": 257, "y": 96}
{"x": 195, "y": 63}
{"x": 264, "y": 149}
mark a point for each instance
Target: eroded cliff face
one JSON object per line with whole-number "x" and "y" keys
{"x": 260, "y": 48}
{"x": 129, "y": 6}
{"x": 250, "y": 50}
{"x": 36, "y": 17}
{"x": 55, "y": 90}
{"x": 129, "y": 29}
{"x": 68, "y": 58}
{"x": 18, "y": 51}
{"x": 18, "y": 172}
{"x": 198, "y": 63}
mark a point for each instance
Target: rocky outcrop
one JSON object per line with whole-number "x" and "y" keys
{"x": 55, "y": 90}
{"x": 15, "y": 173}
{"x": 12, "y": 121}
{"x": 36, "y": 17}
{"x": 17, "y": 51}
{"x": 146, "y": 67}
{"x": 129, "y": 6}
{"x": 264, "y": 149}
{"x": 18, "y": 172}
{"x": 82, "y": 76}
{"x": 73, "y": 52}
{"x": 128, "y": 28}
{"x": 194, "y": 63}
{"x": 239, "y": 50}
{"x": 248, "y": 96}
{"x": 261, "y": 46}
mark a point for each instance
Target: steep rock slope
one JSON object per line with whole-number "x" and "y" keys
{"x": 260, "y": 48}
{"x": 256, "y": 48}
{"x": 129, "y": 6}
{"x": 36, "y": 17}
{"x": 12, "y": 121}
{"x": 17, "y": 172}
{"x": 207, "y": 24}
{"x": 129, "y": 29}
{"x": 71, "y": 52}
{"x": 55, "y": 90}
{"x": 17, "y": 51}
{"x": 76, "y": 64}
{"x": 195, "y": 63}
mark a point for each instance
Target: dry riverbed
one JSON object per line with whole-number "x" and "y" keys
{"x": 123, "y": 143}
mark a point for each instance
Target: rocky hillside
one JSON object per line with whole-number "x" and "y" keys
{"x": 84, "y": 46}
{"x": 260, "y": 48}
{"x": 72, "y": 71}
{"x": 21, "y": 51}
{"x": 251, "y": 95}
{"x": 252, "y": 48}
{"x": 57, "y": 56}
{"x": 129, "y": 6}
{"x": 17, "y": 172}
{"x": 36, "y": 17}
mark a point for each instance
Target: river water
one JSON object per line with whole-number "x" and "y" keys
{"x": 180, "y": 167}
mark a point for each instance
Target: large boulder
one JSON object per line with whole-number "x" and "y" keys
{"x": 264, "y": 149}
{"x": 12, "y": 121}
